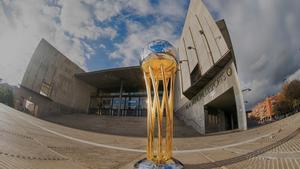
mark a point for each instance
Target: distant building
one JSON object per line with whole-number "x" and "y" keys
{"x": 264, "y": 110}
{"x": 49, "y": 85}
{"x": 207, "y": 90}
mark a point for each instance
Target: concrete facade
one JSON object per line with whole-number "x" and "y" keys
{"x": 205, "y": 44}
{"x": 193, "y": 112}
{"x": 66, "y": 94}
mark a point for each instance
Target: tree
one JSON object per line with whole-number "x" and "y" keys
{"x": 288, "y": 98}
{"x": 292, "y": 93}
{"x": 281, "y": 106}
{"x": 6, "y": 96}
{"x": 292, "y": 90}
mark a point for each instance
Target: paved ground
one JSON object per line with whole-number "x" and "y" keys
{"x": 31, "y": 143}
{"x": 125, "y": 126}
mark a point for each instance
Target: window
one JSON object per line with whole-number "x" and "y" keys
{"x": 46, "y": 89}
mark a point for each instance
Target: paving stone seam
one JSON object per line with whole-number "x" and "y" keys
{"x": 143, "y": 151}
{"x": 16, "y": 134}
{"x": 30, "y": 157}
{"x": 248, "y": 155}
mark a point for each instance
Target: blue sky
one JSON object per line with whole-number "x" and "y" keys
{"x": 101, "y": 59}
{"x": 100, "y": 34}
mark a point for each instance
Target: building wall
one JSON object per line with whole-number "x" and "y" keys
{"x": 208, "y": 48}
{"x": 201, "y": 33}
{"x": 67, "y": 93}
{"x": 192, "y": 111}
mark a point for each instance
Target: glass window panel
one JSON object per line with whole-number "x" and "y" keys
{"x": 45, "y": 89}
{"x": 106, "y": 103}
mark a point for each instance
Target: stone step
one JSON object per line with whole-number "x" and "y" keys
{"x": 132, "y": 126}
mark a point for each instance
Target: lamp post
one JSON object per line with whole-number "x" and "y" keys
{"x": 247, "y": 90}
{"x": 243, "y": 91}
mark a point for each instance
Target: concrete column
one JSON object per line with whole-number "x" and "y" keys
{"x": 231, "y": 120}
{"x": 124, "y": 112}
{"x": 138, "y": 108}
{"x": 120, "y": 98}
{"x": 239, "y": 100}
{"x": 111, "y": 106}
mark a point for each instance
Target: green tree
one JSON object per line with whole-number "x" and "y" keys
{"x": 6, "y": 96}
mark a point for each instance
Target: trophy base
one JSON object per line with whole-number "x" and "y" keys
{"x": 147, "y": 164}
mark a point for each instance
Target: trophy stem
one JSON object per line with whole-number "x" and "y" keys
{"x": 150, "y": 119}
{"x": 159, "y": 115}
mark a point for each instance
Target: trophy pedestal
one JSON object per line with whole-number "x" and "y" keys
{"x": 147, "y": 164}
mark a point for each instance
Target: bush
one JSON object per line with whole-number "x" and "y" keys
{"x": 6, "y": 96}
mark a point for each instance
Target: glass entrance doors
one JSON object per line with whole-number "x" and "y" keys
{"x": 111, "y": 105}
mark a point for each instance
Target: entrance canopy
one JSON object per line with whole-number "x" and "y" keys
{"x": 110, "y": 80}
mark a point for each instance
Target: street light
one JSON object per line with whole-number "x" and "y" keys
{"x": 247, "y": 90}
{"x": 181, "y": 61}
{"x": 190, "y": 47}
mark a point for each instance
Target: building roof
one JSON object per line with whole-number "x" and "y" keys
{"x": 109, "y": 80}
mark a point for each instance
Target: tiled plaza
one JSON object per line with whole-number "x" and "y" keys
{"x": 31, "y": 143}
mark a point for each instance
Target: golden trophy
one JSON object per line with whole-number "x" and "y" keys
{"x": 159, "y": 67}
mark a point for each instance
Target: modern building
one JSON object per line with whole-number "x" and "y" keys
{"x": 207, "y": 91}
{"x": 263, "y": 110}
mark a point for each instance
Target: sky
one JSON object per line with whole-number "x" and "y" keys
{"x": 100, "y": 34}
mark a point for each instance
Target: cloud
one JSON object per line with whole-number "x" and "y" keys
{"x": 165, "y": 26}
{"x": 77, "y": 19}
{"x": 129, "y": 50}
{"x": 266, "y": 40}
{"x": 294, "y": 76}
{"x": 106, "y": 9}
{"x": 171, "y": 8}
{"x": 78, "y": 28}
{"x": 65, "y": 24}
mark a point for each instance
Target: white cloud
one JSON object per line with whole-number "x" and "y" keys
{"x": 171, "y": 8}
{"x": 77, "y": 19}
{"x": 21, "y": 29}
{"x": 106, "y": 9}
{"x": 69, "y": 25}
{"x": 139, "y": 35}
{"x": 102, "y": 46}
{"x": 25, "y": 23}
{"x": 129, "y": 50}
{"x": 141, "y": 7}
{"x": 294, "y": 76}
